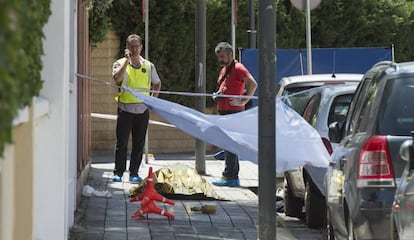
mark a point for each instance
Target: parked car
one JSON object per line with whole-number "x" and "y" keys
{"x": 366, "y": 165}
{"x": 304, "y": 189}
{"x": 402, "y": 215}
{"x": 291, "y": 85}
{"x": 299, "y": 83}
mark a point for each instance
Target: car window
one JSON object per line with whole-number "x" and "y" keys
{"x": 396, "y": 116}
{"x": 364, "y": 119}
{"x": 360, "y": 103}
{"x": 310, "y": 114}
{"x": 299, "y": 100}
{"x": 292, "y": 90}
{"x": 339, "y": 109}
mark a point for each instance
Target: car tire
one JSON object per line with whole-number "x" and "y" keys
{"x": 293, "y": 205}
{"x": 315, "y": 216}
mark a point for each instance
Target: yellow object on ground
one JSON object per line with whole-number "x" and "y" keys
{"x": 179, "y": 182}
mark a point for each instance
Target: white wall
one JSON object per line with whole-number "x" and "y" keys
{"x": 73, "y": 111}
{"x": 55, "y": 144}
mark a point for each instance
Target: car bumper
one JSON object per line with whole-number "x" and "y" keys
{"x": 374, "y": 218}
{"x": 373, "y": 224}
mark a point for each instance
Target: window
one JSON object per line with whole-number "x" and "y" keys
{"x": 396, "y": 114}
{"x": 339, "y": 109}
{"x": 310, "y": 113}
{"x": 359, "y": 104}
{"x": 298, "y": 101}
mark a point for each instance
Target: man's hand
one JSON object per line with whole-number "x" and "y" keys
{"x": 237, "y": 102}
{"x": 127, "y": 54}
{"x": 216, "y": 96}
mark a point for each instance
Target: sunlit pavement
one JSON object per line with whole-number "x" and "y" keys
{"x": 110, "y": 218}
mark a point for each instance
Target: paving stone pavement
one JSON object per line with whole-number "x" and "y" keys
{"x": 109, "y": 218}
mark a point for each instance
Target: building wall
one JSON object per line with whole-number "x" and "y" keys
{"x": 16, "y": 195}
{"x": 38, "y": 171}
{"x": 102, "y": 99}
{"x": 161, "y": 139}
{"x": 7, "y": 206}
{"x": 55, "y": 133}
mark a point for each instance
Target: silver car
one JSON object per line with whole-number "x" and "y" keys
{"x": 304, "y": 188}
{"x": 294, "y": 84}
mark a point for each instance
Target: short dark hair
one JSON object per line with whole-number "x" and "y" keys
{"x": 223, "y": 46}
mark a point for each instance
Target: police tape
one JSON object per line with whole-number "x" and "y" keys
{"x": 165, "y": 92}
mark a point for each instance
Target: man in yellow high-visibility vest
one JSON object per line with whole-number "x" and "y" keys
{"x": 137, "y": 73}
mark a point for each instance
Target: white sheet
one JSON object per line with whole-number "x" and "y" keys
{"x": 297, "y": 142}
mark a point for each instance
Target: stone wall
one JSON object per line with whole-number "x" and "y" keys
{"x": 161, "y": 139}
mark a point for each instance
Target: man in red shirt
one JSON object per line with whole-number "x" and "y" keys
{"x": 233, "y": 79}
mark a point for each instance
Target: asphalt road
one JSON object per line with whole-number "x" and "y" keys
{"x": 300, "y": 231}
{"x": 296, "y": 227}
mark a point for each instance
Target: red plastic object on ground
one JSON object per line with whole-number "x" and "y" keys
{"x": 147, "y": 198}
{"x": 150, "y": 207}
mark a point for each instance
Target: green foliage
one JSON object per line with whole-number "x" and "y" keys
{"x": 21, "y": 24}
{"x": 99, "y": 21}
{"x": 343, "y": 23}
{"x": 335, "y": 23}
{"x": 172, "y": 39}
{"x": 290, "y": 26}
{"x": 404, "y": 50}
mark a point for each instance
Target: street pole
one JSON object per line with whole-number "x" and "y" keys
{"x": 146, "y": 28}
{"x": 252, "y": 31}
{"x": 307, "y": 6}
{"x": 146, "y": 57}
{"x": 267, "y": 120}
{"x": 233, "y": 26}
{"x": 200, "y": 77}
{"x": 308, "y": 36}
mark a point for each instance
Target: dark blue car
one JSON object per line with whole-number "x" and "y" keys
{"x": 365, "y": 168}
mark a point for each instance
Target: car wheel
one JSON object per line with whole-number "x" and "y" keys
{"x": 329, "y": 228}
{"x": 350, "y": 227}
{"x": 315, "y": 206}
{"x": 293, "y": 205}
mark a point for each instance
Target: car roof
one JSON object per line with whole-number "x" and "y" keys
{"x": 391, "y": 68}
{"x": 292, "y": 84}
{"x": 328, "y": 90}
{"x": 348, "y": 77}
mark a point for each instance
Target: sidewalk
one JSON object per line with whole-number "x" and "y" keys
{"x": 100, "y": 218}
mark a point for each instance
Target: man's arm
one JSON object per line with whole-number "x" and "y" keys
{"x": 251, "y": 87}
{"x": 156, "y": 87}
{"x": 118, "y": 71}
{"x": 156, "y": 82}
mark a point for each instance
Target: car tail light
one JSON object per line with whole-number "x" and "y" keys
{"x": 374, "y": 166}
{"x": 328, "y": 145}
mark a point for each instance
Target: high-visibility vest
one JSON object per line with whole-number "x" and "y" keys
{"x": 136, "y": 79}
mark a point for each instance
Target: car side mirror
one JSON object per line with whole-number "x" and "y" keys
{"x": 407, "y": 152}
{"x": 334, "y": 132}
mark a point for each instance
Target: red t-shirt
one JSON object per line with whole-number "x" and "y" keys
{"x": 233, "y": 84}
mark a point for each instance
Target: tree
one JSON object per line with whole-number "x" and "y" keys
{"x": 335, "y": 24}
